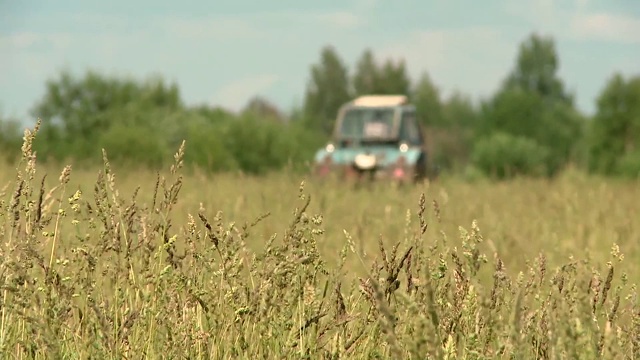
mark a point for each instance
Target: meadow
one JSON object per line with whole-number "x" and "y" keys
{"x": 124, "y": 263}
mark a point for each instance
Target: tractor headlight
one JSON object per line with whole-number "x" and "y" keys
{"x": 330, "y": 148}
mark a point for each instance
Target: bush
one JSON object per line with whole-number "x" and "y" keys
{"x": 207, "y": 148}
{"x": 629, "y": 165}
{"x": 217, "y": 141}
{"x": 133, "y": 146}
{"x": 501, "y": 156}
{"x": 9, "y": 140}
{"x": 259, "y": 146}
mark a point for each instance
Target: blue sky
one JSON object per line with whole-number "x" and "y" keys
{"x": 223, "y": 54}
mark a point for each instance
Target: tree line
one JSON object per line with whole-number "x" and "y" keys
{"x": 529, "y": 126}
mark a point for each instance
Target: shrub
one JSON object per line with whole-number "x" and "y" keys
{"x": 629, "y": 165}
{"x": 208, "y": 149}
{"x": 132, "y": 146}
{"x": 502, "y": 155}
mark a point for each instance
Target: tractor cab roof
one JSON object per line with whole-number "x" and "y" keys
{"x": 379, "y": 101}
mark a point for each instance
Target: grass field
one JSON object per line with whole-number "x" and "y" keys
{"x": 225, "y": 266}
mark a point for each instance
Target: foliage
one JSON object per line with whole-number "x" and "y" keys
{"x": 450, "y": 125}
{"x": 536, "y": 70}
{"x": 503, "y": 155}
{"x": 614, "y": 134}
{"x": 629, "y": 165}
{"x": 84, "y": 107}
{"x": 260, "y": 146}
{"x": 327, "y": 90}
{"x": 260, "y": 107}
{"x": 130, "y": 265}
{"x": 428, "y": 102}
{"x": 384, "y": 78}
{"x": 136, "y": 122}
{"x": 533, "y": 104}
{"x": 9, "y": 138}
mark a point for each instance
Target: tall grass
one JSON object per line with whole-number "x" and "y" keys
{"x": 320, "y": 271}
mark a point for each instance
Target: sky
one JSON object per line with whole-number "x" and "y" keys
{"x": 223, "y": 53}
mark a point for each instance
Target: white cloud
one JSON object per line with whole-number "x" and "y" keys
{"x": 574, "y": 21}
{"x": 35, "y": 56}
{"x": 225, "y": 28}
{"x": 541, "y": 13}
{"x": 22, "y": 56}
{"x": 341, "y": 19}
{"x": 21, "y": 40}
{"x": 473, "y": 60}
{"x": 365, "y": 5}
{"x": 544, "y": 10}
{"x": 607, "y": 27}
{"x": 257, "y": 25}
{"x": 235, "y": 94}
{"x": 581, "y": 4}
{"x": 215, "y": 28}
{"x": 27, "y": 39}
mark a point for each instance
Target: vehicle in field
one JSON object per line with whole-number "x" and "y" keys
{"x": 375, "y": 137}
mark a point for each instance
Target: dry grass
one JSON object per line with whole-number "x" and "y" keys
{"x": 144, "y": 266}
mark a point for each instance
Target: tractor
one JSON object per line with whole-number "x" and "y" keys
{"x": 375, "y": 137}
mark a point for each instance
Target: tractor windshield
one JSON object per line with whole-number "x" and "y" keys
{"x": 367, "y": 123}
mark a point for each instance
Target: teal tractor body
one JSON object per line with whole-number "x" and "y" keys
{"x": 377, "y": 137}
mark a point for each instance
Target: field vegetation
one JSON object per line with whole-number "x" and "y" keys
{"x": 103, "y": 263}
{"x": 136, "y": 226}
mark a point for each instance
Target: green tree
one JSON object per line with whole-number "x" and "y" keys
{"x": 262, "y": 108}
{"x": 212, "y": 114}
{"x": 449, "y": 124}
{"x": 78, "y": 105}
{"x": 426, "y": 97}
{"x": 78, "y": 113}
{"x": 394, "y": 79}
{"x": 327, "y": 90}
{"x": 458, "y": 125}
{"x": 141, "y": 123}
{"x": 10, "y": 139}
{"x": 371, "y": 78}
{"x": 533, "y": 104}
{"x": 366, "y": 79}
{"x": 536, "y": 70}
{"x": 614, "y": 134}
{"x": 459, "y": 111}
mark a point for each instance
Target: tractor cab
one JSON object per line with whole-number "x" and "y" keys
{"x": 378, "y": 135}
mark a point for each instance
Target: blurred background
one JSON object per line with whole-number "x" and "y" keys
{"x": 255, "y": 86}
